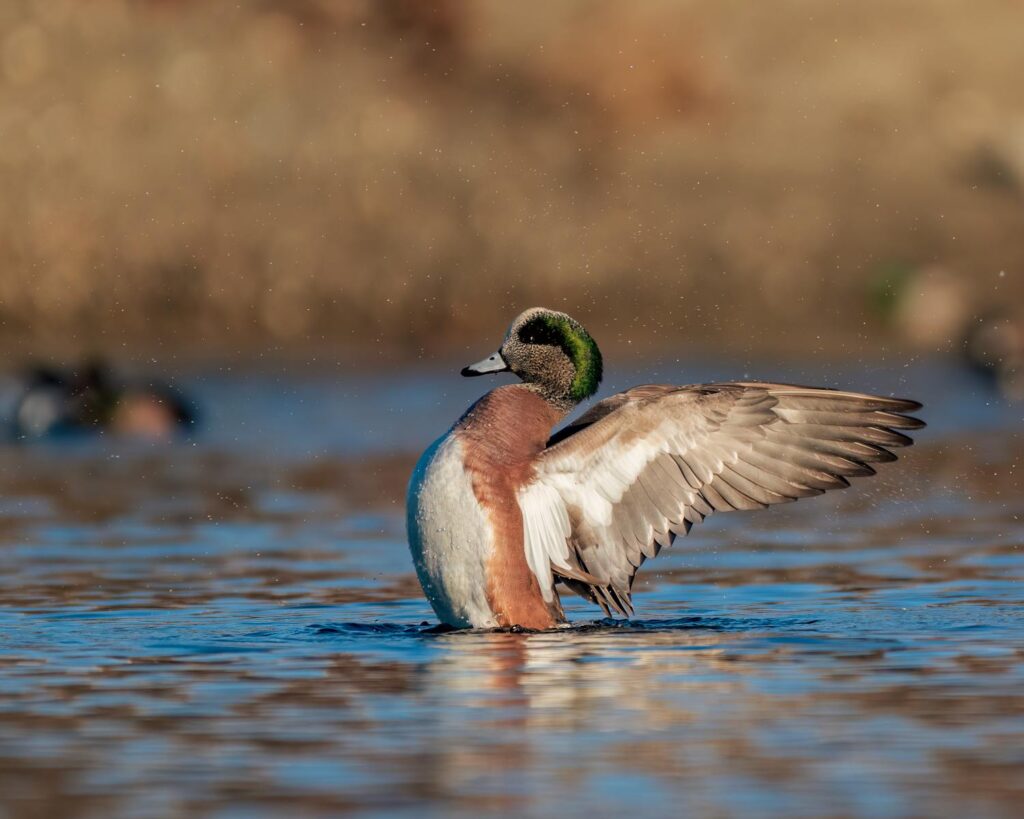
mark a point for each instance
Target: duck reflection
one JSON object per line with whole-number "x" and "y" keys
{"x": 570, "y": 677}
{"x": 525, "y": 716}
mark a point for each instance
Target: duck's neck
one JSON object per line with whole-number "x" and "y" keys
{"x": 514, "y": 422}
{"x": 558, "y": 400}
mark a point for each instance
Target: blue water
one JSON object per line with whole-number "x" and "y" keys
{"x": 230, "y": 627}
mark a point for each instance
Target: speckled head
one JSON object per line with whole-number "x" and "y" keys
{"x": 550, "y": 350}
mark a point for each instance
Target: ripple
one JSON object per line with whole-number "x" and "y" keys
{"x": 203, "y": 631}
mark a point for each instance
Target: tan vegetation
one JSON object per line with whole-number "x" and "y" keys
{"x": 407, "y": 174}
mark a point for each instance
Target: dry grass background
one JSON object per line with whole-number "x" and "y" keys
{"x": 405, "y": 174}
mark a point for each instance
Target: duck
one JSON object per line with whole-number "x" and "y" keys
{"x": 935, "y": 309}
{"x": 992, "y": 347}
{"x": 502, "y": 510}
{"x": 90, "y": 398}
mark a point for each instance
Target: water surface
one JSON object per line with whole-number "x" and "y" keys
{"x": 230, "y": 627}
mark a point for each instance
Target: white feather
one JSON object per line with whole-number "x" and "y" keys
{"x": 450, "y": 537}
{"x": 546, "y": 531}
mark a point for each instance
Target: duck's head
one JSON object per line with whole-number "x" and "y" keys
{"x": 550, "y": 350}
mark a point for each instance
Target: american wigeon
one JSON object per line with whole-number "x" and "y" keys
{"x": 500, "y": 510}
{"x": 993, "y": 347}
{"x": 935, "y": 309}
{"x": 91, "y": 399}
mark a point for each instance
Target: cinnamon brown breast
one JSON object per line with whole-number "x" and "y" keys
{"x": 502, "y": 433}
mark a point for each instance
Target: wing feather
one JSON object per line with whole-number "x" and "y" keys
{"x": 643, "y": 466}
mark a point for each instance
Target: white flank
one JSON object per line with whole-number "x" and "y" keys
{"x": 450, "y": 537}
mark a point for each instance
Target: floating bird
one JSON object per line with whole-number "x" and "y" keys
{"x": 993, "y": 347}
{"x": 500, "y": 510}
{"x": 934, "y": 309}
{"x": 91, "y": 399}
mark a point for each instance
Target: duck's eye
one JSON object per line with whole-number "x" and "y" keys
{"x": 538, "y": 332}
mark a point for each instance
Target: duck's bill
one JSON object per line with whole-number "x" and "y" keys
{"x": 492, "y": 364}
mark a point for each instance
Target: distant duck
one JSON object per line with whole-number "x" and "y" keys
{"x": 993, "y": 346}
{"x": 935, "y": 310}
{"x": 500, "y": 510}
{"x": 90, "y": 399}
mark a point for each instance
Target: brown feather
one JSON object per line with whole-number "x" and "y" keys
{"x": 502, "y": 434}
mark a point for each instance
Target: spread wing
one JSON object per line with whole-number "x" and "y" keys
{"x": 643, "y": 466}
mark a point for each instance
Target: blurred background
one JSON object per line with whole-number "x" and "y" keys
{"x": 402, "y": 176}
{"x": 245, "y": 249}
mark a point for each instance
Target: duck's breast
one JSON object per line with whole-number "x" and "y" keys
{"x": 450, "y": 537}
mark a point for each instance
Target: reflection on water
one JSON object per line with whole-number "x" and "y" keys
{"x": 220, "y": 629}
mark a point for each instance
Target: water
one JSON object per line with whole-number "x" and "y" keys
{"x": 231, "y": 627}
